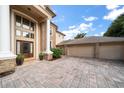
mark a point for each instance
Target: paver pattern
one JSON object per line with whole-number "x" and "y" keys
{"x": 67, "y": 72}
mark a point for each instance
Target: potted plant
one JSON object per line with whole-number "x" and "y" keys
{"x": 19, "y": 59}
{"x": 41, "y": 55}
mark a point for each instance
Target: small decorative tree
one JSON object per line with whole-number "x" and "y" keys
{"x": 80, "y": 35}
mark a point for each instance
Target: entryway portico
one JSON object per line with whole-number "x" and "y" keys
{"x": 37, "y": 15}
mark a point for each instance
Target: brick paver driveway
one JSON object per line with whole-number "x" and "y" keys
{"x": 67, "y": 72}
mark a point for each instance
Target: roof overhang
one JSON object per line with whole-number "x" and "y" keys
{"x": 61, "y": 33}
{"x": 92, "y": 40}
{"x": 54, "y": 24}
{"x": 50, "y": 11}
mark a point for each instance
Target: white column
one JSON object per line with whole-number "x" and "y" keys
{"x": 48, "y": 37}
{"x": 5, "y": 33}
{"x": 12, "y": 33}
{"x": 37, "y": 41}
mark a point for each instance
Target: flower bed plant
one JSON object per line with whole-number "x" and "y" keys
{"x": 57, "y": 52}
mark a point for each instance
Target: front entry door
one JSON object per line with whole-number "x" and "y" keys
{"x": 25, "y": 48}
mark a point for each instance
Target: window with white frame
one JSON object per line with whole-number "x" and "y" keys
{"x": 24, "y": 27}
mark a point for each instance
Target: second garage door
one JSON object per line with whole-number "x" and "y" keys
{"x": 111, "y": 52}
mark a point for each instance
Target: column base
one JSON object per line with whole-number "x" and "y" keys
{"x": 7, "y": 62}
{"x": 48, "y": 55}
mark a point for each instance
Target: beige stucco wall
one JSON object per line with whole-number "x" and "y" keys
{"x": 53, "y": 35}
{"x": 111, "y": 52}
{"x": 81, "y": 51}
{"x": 59, "y": 38}
{"x": 43, "y": 36}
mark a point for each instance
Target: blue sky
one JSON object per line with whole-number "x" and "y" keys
{"x": 91, "y": 19}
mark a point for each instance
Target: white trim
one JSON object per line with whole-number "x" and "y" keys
{"x": 19, "y": 12}
{"x": 45, "y": 13}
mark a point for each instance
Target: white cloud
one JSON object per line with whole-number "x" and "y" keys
{"x": 110, "y": 7}
{"x": 101, "y": 34}
{"x": 83, "y": 27}
{"x": 96, "y": 34}
{"x": 70, "y": 33}
{"x": 90, "y": 18}
{"x": 71, "y": 27}
{"x": 113, "y": 14}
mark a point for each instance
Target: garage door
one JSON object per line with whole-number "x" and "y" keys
{"x": 111, "y": 52}
{"x": 81, "y": 51}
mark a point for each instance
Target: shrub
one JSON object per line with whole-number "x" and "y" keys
{"x": 57, "y": 52}
{"x": 41, "y": 55}
{"x": 19, "y": 59}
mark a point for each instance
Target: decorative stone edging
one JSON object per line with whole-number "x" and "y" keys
{"x": 7, "y": 65}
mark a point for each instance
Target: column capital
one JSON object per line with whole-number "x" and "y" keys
{"x": 45, "y": 20}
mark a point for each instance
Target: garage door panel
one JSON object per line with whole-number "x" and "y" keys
{"x": 111, "y": 52}
{"x": 81, "y": 51}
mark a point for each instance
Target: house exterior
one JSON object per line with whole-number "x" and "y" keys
{"x": 53, "y": 32}
{"x": 24, "y": 29}
{"x": 55, "y": 36}
{"x": 95, "y": 47}
{"x": 59, "y": 37}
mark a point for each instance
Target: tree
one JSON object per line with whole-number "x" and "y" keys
{"x": 80, "y": 35}
{"x": 117, "y": 27}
